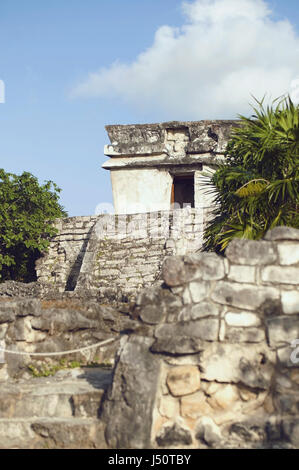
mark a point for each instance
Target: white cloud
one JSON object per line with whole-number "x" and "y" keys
{"x": 294, "y": 92}
{"x": 226, "y": 51}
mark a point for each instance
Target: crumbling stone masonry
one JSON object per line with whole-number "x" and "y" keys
{"x": 216, "y": 364}
{"x": 209, "y": 359}
{"x": 51, "y": 325}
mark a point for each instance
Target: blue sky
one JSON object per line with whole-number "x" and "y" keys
{"x": 70, "y": 67}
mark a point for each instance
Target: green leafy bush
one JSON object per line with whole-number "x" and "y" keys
{"x": 27, "y": 210}
{"x": 258, "y": 186}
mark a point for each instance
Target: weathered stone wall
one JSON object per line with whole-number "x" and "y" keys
{"x": 212, "y": 364}
{"x": 209, "y": 359}
{"x": 173, "y": 137}
{"x": 57, "y": 325}
{"x": 117, "y": 255}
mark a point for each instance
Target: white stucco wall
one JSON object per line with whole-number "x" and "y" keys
{"x": 141, "y": 190}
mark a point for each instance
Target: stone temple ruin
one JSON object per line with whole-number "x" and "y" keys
{"x": 156, "y": 167}
{"x": 157, "y": 174}
{"x": 204, "y": 348}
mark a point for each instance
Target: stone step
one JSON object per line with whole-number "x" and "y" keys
{"x": 52, "y": 433}
{"x": 70, "y": 393}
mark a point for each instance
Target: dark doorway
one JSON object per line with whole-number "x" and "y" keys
{"x": 183, "y": 190}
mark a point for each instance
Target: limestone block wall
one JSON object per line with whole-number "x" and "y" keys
{"x": 117, "y": 255}
{"x": 215, "y": 362}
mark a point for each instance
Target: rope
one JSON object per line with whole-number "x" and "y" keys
{"x": 60, "y": 353}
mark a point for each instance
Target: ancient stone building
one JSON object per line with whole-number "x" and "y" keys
{"x": 154, "y": 166}
{"x": 161, "y": 208}
{"x": 209, "y": 359}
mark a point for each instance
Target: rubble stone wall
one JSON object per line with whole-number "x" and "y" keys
{"x": 56, "y": 325}
{"x": 215, "y": 362}
{"x": 208, "y": 359}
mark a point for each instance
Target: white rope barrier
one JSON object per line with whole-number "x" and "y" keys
{"x": 59, "y": 353}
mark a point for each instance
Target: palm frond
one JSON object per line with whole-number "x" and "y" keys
{"x": 257, "y": 187}
{"x": 252, "y": 188}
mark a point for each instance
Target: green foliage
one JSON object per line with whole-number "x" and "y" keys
{"x": 26, "y": 212}
{"x": 258, "y": 186}
{"x": 48, "y": 370}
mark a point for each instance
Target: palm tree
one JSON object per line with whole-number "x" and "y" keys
{"x": 258, "y": 186}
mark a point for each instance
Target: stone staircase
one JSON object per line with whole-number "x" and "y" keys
{"x": 57, "y": 412}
